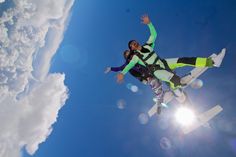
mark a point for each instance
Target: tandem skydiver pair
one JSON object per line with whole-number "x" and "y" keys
{"x": 144, "y": 63}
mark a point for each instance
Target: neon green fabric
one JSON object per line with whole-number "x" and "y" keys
{"x": 135, "y": 60}
{"x": 209, "y": 62}
{"x": 200, "y": 62}
{"x": 153, "y": 35}
{"x": 165, "y": 75}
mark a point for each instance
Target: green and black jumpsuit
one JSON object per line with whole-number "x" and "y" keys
{"x": 163, "y": 68}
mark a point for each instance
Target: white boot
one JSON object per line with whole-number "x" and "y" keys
{"x": 218, "y": 59}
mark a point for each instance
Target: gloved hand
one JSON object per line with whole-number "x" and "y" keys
{"x": 108, "y": 69}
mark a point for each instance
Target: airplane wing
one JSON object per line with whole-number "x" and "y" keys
{"x": 203, "y": 119}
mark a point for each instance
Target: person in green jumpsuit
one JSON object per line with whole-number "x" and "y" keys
{"x": 161, "y": 68}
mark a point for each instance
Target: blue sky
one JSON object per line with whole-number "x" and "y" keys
{"x": 90, "y": 124}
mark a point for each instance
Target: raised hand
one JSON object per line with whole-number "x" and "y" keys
{"x": 145, "y": 19}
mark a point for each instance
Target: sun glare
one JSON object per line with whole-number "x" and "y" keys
{"x": 185, "y": 116}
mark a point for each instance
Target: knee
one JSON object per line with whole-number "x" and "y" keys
{"x": 175, "y": 80}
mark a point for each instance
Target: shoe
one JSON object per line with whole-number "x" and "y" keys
{"x": 219, "y": 58}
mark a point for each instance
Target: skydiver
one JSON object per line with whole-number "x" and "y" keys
{"x": 162, "y": 69}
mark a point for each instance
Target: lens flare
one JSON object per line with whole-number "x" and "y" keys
{"x": 134, "y": 89}
{"x": 121, "y": 104}
{"x": 165, "y": 143}
{"x": 143, "y": 118}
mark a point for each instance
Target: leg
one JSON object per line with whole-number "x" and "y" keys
{"x": 180, "y": 96}
{"x": 157, "y": 88}
{"x": 169, "y": 77}
{"x": 189, "y": 61}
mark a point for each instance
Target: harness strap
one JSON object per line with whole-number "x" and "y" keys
{"x": 155, "y": 61}
{"x": 166, "y": 65}
{"x": 149, "y": 56}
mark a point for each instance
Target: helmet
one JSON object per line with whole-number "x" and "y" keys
{"x": 126, "y": 54}
{"x": 130, "y": 43}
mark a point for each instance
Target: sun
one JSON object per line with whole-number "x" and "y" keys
{"x": 185, "y": 116}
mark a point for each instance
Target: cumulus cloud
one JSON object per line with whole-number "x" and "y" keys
{"x": 30, "y": 97}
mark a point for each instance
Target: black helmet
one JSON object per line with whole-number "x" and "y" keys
{"x": 125, "y": 54}
{"x": 130, "y": 55}
{"x": 130, "y": 43}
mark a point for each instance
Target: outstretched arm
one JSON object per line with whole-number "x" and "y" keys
{"x": 115, "y": 69}
{"x": 152, "y": 38}
{"x": 131, "y": 64}
{"x": 120, "y": 68}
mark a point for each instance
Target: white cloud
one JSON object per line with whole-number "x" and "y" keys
{"x": 30, "y": 96}
{"x": 1, "y": 1}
